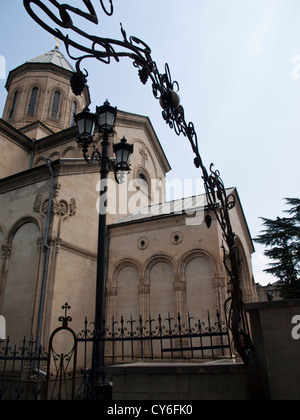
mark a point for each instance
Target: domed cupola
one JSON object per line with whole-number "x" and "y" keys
{"x": 40, "y": 100}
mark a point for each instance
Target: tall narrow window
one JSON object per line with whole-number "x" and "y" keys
{"x": 32, "y": 102}
{"x": 73, "y": 113}
{"x": 55, "y": 105}
{"x": 13, "y": 107}
{"x": 143, "y": 181}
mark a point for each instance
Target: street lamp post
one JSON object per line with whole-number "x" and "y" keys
{"x": 87, "y": 123}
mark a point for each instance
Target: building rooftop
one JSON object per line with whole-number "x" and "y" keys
{"x": 53, "y": 57}
{"x": 188, "y": 205}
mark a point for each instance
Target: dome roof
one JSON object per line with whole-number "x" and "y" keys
{"x": 53, "y": 57}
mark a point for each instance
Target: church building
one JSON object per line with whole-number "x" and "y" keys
{"x": 162, "y": 258}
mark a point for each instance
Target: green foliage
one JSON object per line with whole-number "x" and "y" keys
{"x": 282, "y": 239}
{"x": 290, "y": 291}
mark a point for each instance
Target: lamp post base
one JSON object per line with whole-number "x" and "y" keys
{"x": 96, "y": 387}
{"x": 101, "y": 393}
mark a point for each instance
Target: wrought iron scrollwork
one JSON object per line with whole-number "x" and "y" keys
{"x": 63, "y": 364}
{"x": 166, "y": 91}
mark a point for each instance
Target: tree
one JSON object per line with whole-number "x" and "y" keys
{"x": 282, "y": 238}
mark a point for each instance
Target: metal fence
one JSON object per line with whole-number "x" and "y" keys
{"x": 28, "y": 372}
{"x": 163, "y": 338}
{"x": 22, "y": 371}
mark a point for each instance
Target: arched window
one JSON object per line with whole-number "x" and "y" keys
{"x": 143, "y": 181}
{"x": 32, "y": 102}
{"x": 73, "y": 113}
{"x": 143, "y": 187}
{"x": 162, "y": 296}
{"x": 13, "y": 107}
{"x": 55, "y": 105}
{"x": 21, "y": 279}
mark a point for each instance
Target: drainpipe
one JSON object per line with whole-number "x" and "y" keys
{"x": 32, "y": 153}
{"x": 47, "y": 253}
{"x": 47, "y": 258}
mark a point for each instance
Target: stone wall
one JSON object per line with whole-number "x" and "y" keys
{"x": 277, "y": 348}
{"x": 276, "y": 337}
{"x": 179, "y": 381}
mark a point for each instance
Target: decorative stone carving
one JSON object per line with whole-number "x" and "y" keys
{"x": 37, "y": 204}
{"x": 111, "y": 291}
{"x": 144, "y": 289}
{"x": 6, "y": 251}
{"x": 56, "y": 190}
{"x": 143, "y": 243}
{"x": 72, "y": 207}
{"x": 179, "y": 285}
{"x": 176, "y": 238}
{"x": 59, "y": 207}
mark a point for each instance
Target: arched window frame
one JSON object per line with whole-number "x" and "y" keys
{"x": 13, "y": 106}
{"x": 73, "y": 113}
{"x": 143, "y": 181}
{"x": 33, "y": 101}
{"x": 56, "y": 100}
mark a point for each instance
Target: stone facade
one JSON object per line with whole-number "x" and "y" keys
{"x": 172, "y": 265}
{"x": 49, "y": 198}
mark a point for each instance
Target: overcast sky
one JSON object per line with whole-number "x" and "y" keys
{"x": 237, "y": 63}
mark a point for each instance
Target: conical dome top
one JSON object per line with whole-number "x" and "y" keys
{"x": 53, "y": 57}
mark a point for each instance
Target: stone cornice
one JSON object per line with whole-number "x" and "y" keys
{"x": 75, "y": 249}
{"x": 37, "y": 67}
{"x": 41, "y": 173}
{"x": 147, "y": 224}
{"x": 36, "y": 124}
{"x": 56, "y": 139}
{"x": 15, "y": 136}
{"x": 23, "y": 179}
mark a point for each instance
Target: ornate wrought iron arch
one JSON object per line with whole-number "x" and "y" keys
{"x": 165, "y": 90}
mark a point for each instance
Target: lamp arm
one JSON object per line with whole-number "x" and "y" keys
{"x": 95, "y": 156}
{"x": 116, "y": 175}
